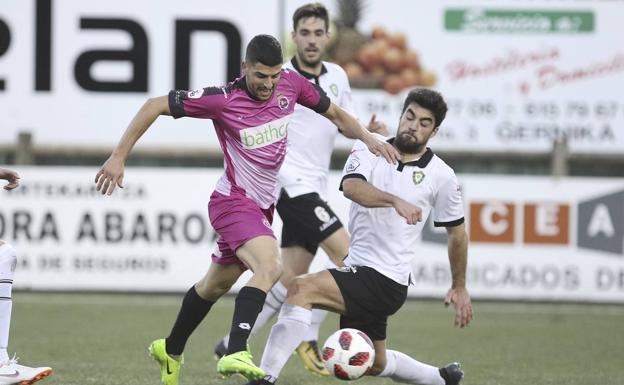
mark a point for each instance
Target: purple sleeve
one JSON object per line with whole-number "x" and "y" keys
{"x": 203, "y": 103}
{"x": 310, "y": 95}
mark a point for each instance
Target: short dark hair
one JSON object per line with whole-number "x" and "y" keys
{"x": 317, "y": 10}
{"x": 430, "y": 100}
{"x": 264, "y": 49}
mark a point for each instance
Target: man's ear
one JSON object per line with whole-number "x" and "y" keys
{"x": 243, "y": 68}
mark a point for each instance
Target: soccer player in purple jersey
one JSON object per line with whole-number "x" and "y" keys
{"x": 250, "y": 116}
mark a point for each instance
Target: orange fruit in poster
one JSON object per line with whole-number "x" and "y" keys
{"x": 410, "y": 60}
{"x": 428, "y": 78}
{"x": 353, "y": 70}
{"x": 410, "y": 77}
{"x": 393, "y": 59}
{"x": 379, "y": 32}
{"x": 397, "y": 40}
{"x": 393, "y": 84}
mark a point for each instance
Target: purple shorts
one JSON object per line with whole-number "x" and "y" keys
{"x": 237, "y": 219}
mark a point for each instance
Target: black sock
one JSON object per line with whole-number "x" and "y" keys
{"x": 194, "y": 309}
{"x": 248, "y": 305}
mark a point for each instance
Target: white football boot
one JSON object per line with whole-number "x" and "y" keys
{"x": 11, "y": 373}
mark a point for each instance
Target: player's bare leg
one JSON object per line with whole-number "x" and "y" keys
{"x": 261, "y": 255}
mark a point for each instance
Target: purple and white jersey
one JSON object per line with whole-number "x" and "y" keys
{"x": 252, "y": 133}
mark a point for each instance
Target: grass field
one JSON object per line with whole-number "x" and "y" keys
{"x": 103, "y": 339}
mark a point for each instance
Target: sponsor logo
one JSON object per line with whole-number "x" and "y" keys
{"x": 195, "y": 94}
{"x": 322, "y": 214}
{"x": 347, "y": 269}
{"x": 353, "y": 165}
{"x": 417, "y": 177}
{"x": 168, "y": 370}
{"x": 265, "y": 134}
{"x": 244, "y": 325}
{"x": 266, "y": 223}
{"x": 282, "y": 102}
{"x": 478, "y": 20}
{"x": 334, "y": 89}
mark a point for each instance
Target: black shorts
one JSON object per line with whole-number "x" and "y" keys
{"x": 370, "y": 297}
{"x": 307, "y": 219}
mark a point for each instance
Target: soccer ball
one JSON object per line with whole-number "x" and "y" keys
{"x": 348, "y": 354}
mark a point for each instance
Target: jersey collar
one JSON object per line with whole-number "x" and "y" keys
{"x": 305, "y": 74}
{"x": 422, "y": 162}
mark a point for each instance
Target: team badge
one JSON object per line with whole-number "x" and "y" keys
{"x": 195, "y": 94}
{"x": 418, "y": 177}
{"x": 334, "y": 89}
{"x": 353, "y": 165}
{"x": 282, "y": 102}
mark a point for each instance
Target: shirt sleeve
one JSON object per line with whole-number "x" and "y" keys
{"x": 346, "y": 98}
{"x": 203, "y": 103}
{"x": 448, "y": 209}
{"x": 310, "y": 95}
{"x": 359, "y": 164}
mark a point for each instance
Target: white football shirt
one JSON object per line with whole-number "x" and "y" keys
{"x": 380, "y": 237}
{"x": 311, "y": 136}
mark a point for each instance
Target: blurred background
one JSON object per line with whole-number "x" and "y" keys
{"x": 535, "y": 131}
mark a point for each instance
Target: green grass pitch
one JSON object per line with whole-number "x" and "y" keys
{"x": 103, "y": 338}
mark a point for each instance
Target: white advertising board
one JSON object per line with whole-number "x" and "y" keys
{"x": 516, "y": 74}
{"x": 530, "y": 238}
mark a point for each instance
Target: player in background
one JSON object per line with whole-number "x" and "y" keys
{"x": 389, "y": 209}
{"x": 10, "y": 371}
{"x": 308, "y": 220}
{"x": 251, "y": 117}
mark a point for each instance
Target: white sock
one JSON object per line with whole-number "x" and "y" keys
{"x": 285, "y": 336}
{"x": 404, "y": 369}
{"x": 312, "y": 334}
{"x": 8, "y": 261}
{"x": 274, "y": 300}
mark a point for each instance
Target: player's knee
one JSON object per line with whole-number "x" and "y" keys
{"x": 270, "y": 271}
{"x": 378, "y": 366}
{"x": 299, "y": 290}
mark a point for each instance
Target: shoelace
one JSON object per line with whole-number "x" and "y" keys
{"x": 11, "y": 361}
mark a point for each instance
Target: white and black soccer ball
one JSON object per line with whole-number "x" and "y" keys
{"x": 348, "y": 354}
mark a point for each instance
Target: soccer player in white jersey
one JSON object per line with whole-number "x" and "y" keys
{"x": 251, "y": 116}
{"x": 10, "y": 371}
{"x": 308, "y": 221}
{"x": 390, "y": 206}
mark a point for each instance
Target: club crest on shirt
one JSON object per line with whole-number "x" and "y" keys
{"x": 418, "y": 177}
{"x": 334, "y": 89}
{"x": 195, "y": 94}
{"x": 353, "y": 165}
{"x": 282, "y": 102}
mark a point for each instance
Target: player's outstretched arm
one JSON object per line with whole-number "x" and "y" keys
{"x": 367, "y": 195}
{"x": 458, "y": 258}
{"x": 10, "y": 176}
{"x": 352, "y": 128}
{"x": 112, "y": 171}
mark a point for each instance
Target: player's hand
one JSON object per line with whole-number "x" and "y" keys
{"x": 382, "y": 148}
{"x": 411, "y": 213}
{"x": 377, "y": 127}
{"x": 460, "y": 299}
{"x": 10, "y": 176}
{"x": 110, "y": 175}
